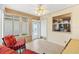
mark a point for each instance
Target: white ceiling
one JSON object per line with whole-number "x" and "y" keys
{"x": 30, "y": 8}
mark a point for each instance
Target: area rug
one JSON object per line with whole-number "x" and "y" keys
{"x": 27, "y": 51}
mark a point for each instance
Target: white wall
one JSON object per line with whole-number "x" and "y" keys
{"x": 62, "y": 38}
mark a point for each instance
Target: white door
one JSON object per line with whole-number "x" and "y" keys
{"x": 36, "y": 29}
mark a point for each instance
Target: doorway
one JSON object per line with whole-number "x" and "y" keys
{"x": 36, "y": 29}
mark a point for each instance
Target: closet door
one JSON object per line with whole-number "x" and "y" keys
{"x": 8, "y": 25}
{"x": 16, "y": 25}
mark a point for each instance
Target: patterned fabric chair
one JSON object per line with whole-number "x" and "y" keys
{"x": 11, "y": 42}
{"x": 5, "y": 50}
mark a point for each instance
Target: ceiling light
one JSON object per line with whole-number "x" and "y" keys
{"x": 40, "y": 10}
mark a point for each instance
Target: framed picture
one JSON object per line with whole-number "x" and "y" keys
{"x": 62, "y": 23}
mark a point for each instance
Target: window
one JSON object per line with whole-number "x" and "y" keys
{"x": 25, "y": 26}
{"x": 12, "y": 25}
{"x": 0, "y": 24}
{"x": 16, "y": 25}
{"x": 7, "y": 25}
{"x": 0, "y": 29}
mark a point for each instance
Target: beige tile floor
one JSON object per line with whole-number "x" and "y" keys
{"x": 43, "y": 46}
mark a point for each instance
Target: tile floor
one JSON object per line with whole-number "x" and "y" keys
{"x": 43, "y": 46}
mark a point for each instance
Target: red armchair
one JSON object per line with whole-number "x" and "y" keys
{"x": 5, "y": 50}
{"x": 10, "y": 41}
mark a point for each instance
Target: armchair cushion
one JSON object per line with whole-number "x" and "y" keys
{"x": 19, "y": 43}
{"x": 13, "y": 39}
{"x": 10, "y": 40}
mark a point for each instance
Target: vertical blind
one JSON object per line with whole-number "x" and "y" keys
{"x": 16, "y": 25}
{"x": 25, "y": 26}
{"x": 8, "y": 25}
{"x": 12, "y": 25}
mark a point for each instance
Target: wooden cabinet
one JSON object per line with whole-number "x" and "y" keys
{"x": 27, "y": 38}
